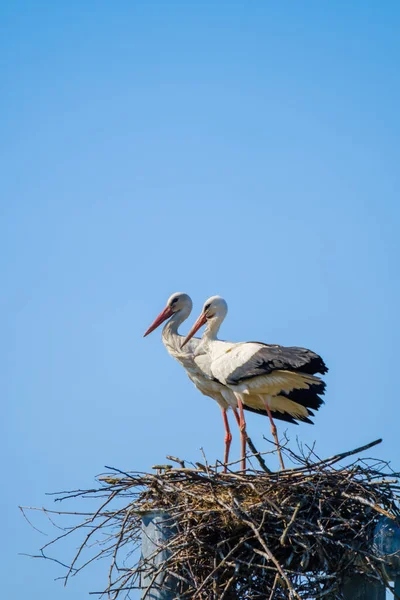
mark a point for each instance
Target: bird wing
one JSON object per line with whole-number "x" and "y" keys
{"x": 262, "y": 359}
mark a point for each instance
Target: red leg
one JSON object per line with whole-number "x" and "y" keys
{"x": 275, "y": 435}
{"x": 243, "y": 434}
{"x": 235, "y": 412}
{"x": 228, "y": 437}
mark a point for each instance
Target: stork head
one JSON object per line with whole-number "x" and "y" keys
{"x": 215, "y": 307}
{"x": 178, "y": 302}
{"x": 215, "y": 310}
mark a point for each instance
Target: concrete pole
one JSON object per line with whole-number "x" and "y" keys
{"x": 156, "y": 529}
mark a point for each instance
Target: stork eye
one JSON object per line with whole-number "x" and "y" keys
{"x": 174, "y": 301}
{"x": 207, "y": 307}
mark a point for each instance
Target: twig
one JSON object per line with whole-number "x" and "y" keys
{"x": 294, "y": 533}
{"x": 285, "y": 532}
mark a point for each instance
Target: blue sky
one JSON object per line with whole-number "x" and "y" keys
{"x": 248, "y": 149}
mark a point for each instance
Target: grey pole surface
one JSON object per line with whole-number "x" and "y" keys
{"x": 386, "y": 543}
{"x": 157, "y": 527}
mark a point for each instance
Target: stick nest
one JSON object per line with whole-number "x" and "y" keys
{"x": 296, "y": 533}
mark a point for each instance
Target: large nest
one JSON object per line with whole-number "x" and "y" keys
{"x": 296, "y": 533}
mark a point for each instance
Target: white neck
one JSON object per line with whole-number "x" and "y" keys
{"x": 212, "y": 328}
{"x": 170, "y": 329}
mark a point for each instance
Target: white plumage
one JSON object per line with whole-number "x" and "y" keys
{"x": 177, "y": 310}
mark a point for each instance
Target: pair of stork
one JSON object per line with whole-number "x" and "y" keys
{"x": 276, "y": 381}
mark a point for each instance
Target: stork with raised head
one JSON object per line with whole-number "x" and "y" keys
{"x": 176, "y": 311}
{"x": 281, "y": 380}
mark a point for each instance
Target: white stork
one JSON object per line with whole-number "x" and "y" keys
{"x": 281, "y": 380}
{"x": 177, "y": 310}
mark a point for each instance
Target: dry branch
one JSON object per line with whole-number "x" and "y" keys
{"x": 292, "y": 534}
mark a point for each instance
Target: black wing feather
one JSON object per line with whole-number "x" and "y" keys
{"x": 308, "y": 398}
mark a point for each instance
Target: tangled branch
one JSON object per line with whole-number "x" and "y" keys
{"x": 295, "y": 533}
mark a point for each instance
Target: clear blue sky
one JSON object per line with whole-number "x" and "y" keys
{"x": 248, "y": 149}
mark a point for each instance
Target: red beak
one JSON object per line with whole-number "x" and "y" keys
{"x": 199, "y": 323}
{"x": 163, "y": 316}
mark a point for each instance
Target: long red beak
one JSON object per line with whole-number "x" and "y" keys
{"x": 163, "y": 316}
{"x": 199, "y": 323}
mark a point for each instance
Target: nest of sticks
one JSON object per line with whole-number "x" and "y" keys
{"x": 296, "y": 533}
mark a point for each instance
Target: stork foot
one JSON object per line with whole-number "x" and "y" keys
{"x": 275, "y": 436}
{"x": 228, "y": 441}
{"x": 279, "y": 452}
